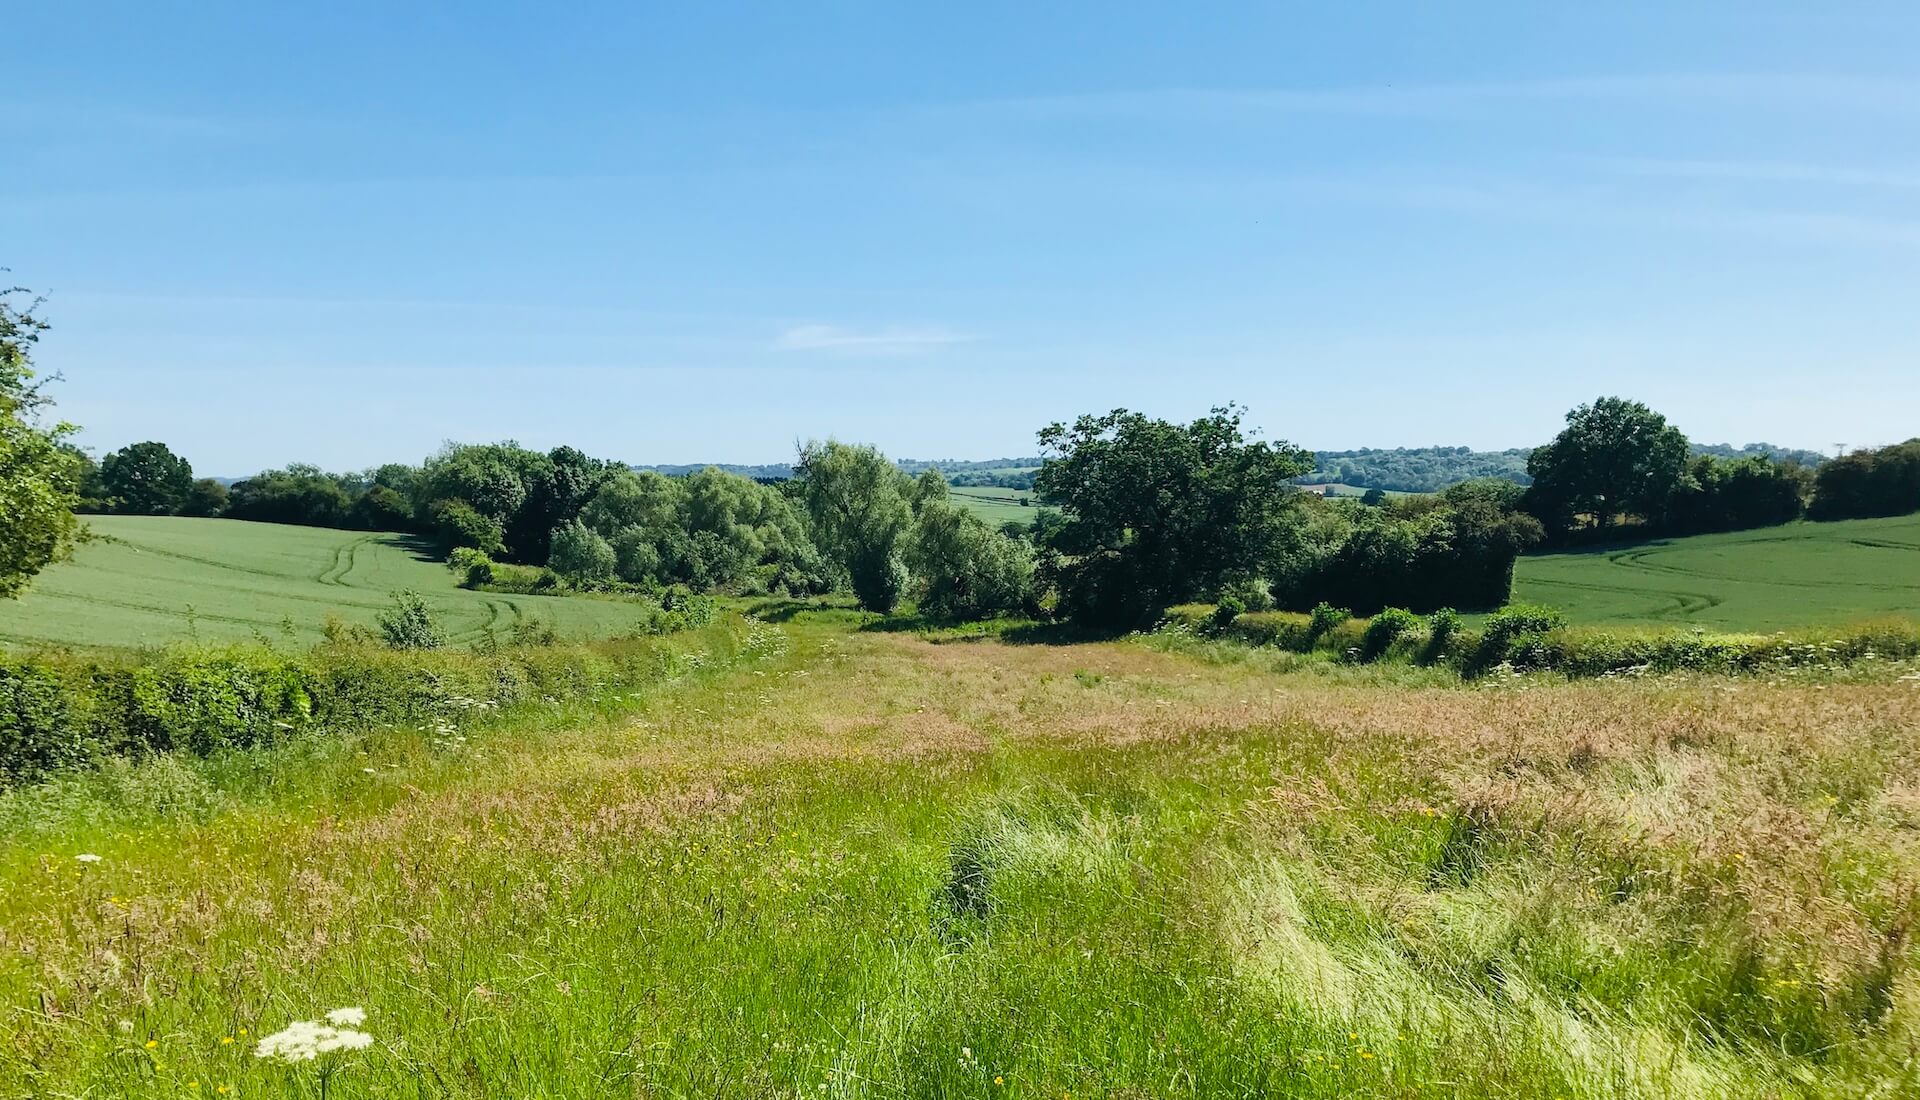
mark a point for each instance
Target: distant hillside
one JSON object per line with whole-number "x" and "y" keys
{"x": 1005, "y": 473}
{"x": 1416, "y": 469}
{"x": 1398, "y": 469}
{"x": 1431, "y": 469}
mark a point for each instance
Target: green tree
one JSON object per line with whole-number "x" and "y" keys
{"x": 965, "y": 568}
{"x": 1158, "y": 513}
{"x": 1614, "y": 456}
{"x": 581, "y": 555}
{"x": 858, "y": 502}
{"x": 39, "y": 476}
{"x": 206, "y": 498}
{"x": 147, "y": 479}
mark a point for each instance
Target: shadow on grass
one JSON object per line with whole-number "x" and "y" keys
{"x": 422, "y": 549}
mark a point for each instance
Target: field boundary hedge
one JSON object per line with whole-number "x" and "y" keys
{"x": 1532, "y": 639}
{"x": 60, "y": 711}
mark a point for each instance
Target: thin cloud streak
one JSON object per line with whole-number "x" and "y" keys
{"x": 1747, "y": 171}
{"x": 1789, "y": 89}
{"x": 885, "y": 341}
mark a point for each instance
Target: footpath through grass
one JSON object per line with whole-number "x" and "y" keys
{"x": 151, "y": 580}
{"x": 865, "y": 864}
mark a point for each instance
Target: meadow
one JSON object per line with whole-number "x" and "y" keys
{"x": 150, "y": 580}
{"x": 848, "y": 863}
{"x": 1772, "y": 578}
{"x": 996, "y": 505}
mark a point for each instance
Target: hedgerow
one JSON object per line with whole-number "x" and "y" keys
{"x": 64, "y": 710}
{"x": 1527, "y": 638}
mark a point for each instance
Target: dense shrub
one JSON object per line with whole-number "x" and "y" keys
{"x": 1385, "y": 629}
{"x": 964, "y": 568}
{"x": 1872, "y": 482}
{"x": 581, "y": 556}
{"x": 1224, "y": 613}
{"x": 457, "y": 523}
{"x": 60, "y": 711}
{"x": 409, "y": 623}
{"x": 1323, "y": 618}
{"x": 1442, "y": 626}
{"x": 1514, "y": 635}
{"x": 474, "y": 568}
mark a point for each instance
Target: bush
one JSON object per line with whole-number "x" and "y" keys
{"x": 409, "y": 625}
{"x": 1322, "y": 619}
{"x": 1442, "y": 626}
{"x": 474, "y": 568}
{"x": 59, "y": 712}
{"x": 1515, "y": 634}
{"x": 581, "y": 556}
{"x": 1385, "y": 629}
{"x": 457, "y": 523}
{"x": 1224, "y": 613}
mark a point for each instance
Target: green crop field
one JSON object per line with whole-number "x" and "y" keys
{"x": 149, "y": 580}
{"x": 996, "y": 505}
{"x": 1768, "y": 579}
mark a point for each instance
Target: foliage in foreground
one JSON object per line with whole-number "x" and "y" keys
{"x": 37, "y": 472}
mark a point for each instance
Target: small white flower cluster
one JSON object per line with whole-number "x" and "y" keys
{"x": 305, "y": 1040}
{"x": 87, "y": 857}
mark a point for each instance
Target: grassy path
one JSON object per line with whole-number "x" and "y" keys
{"x": 868, "y": 865}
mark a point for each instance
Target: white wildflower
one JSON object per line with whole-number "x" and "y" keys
{"x": 305, "y": 1040}
{"x": 347, "y": 1017}
{"x": 87, "y": 857}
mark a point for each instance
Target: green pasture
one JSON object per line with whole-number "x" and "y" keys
{"x": 1768, "y": 579}
{"x": 149, "y": 580}
{"x": 997, "y": 505}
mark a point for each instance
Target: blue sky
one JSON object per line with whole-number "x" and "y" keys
{"x": 699, "y": 232}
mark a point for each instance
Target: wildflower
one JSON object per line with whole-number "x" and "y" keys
{"x": 998, "y": 1080}
{"x": 227, "y": 1042}
{"x": 347, "y": 1017}
{"x": 305, "y": 1040}
{"x": 151, "y": 1043}
{"x": 87, "y": 857}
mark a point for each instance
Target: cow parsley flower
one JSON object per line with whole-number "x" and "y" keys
{"x": 87, "y": 857}
{"x": 347, "y": 1017}
{"x": 305, "y": 1040}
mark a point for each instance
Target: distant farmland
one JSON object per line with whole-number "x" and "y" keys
{"x": 996, "y": 505}
{"x": 1773, "y": 578}
{"x": 156, "y": 579}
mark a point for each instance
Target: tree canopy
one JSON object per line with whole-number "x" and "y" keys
{"x": 39, "y": 478}
{"x": 1614, "y": 456}
{"x": 1157, "y": 513}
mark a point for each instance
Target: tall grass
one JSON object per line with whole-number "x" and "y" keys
{"x": 859, "y": 864}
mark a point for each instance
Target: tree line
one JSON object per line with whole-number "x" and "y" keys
{"x": 1139, "y": 514}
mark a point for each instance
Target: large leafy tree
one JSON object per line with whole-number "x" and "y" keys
{"x": 38, "y": 476}
{"x": 964, "y": 568}
{"x": 147, "y": 479}
{"x": 859, "y": 504}
{"x": 1157, "y": 513}
{"x": 1614, "y": 456}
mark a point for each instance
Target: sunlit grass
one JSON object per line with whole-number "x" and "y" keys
{"x": 863, "y": 864}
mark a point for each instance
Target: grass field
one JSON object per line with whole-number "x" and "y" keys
{"x": 1768, "y": 579}
{"x": 864, "y": 865}
{"x": 156, "y": 579}
{"x": 997, "y": 505}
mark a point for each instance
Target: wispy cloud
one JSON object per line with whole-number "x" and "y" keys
{"x": 1750, "y": 171}
{"x": 880, "y": 341}
{"x": 1780, "y": 89}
